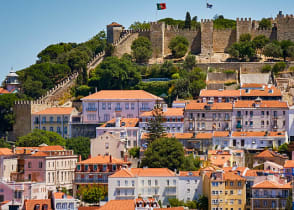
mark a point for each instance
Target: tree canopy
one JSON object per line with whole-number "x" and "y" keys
{"x": 141, "y": 49}
{"x": 155, "y": 126}
{"x": 137, "y": 25}
{"x": 179, "y": 46}
{"x": 80, "y": 145}
{"x": 265, "y": 24}
{"x": 6, "y": 114}
{"x": 92, "y": 193}
{"x": 188, "y": 21}
{"x": 221, "y": 23}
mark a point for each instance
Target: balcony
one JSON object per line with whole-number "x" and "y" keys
{"x": 91, "y": 109}
{"x": 270, "y": 196}
{"x": 275, "y": 117}
{"x": 227, "y": 119}
{"x": 239, "y": 116}
{"x": 91, "y": 180}
{"x": 145, "y": 109}
{"x": 239, "y": 126}
{"x": 118, "y": 109}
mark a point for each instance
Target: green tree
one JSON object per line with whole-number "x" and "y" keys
{"x": 245, "y": 38}
{"x": 266, "y": 68}
{"x": 109, "y": 49}
{"x": 92, "y": 194}
{"x": 283, "y": 148}
{"x": 285, "y": 45}
{"x": 202, "y": 203}
{"x": 83, "y": 90}
{"x": 272, "y": 50}
{"x": 155, "y": 125}
{"x": 222, "y": 23}
{"x": 80, "y": 145}
{"x": 265, "y": 24}
{"x": 51, "y": 52}
{"x": 141, "y": 49}
{"x": 260, "y": 41}
{"x": 174, "y": 202}
{"x": 290, "y": 51}
{"x": 243, "y": 49}
{"x": 191, "y": 163}
{"x": 278, "y": 67}
{"x": 188, "y": 21}
{"x": 197, "y": 81}
{"x": 134, "y": 152}
{"x": 179, "y": 46}
{"x": 6, "y": 113}
{"x": 4, "y": 144}
{"x": 140, "y": 26}
{"x": 190, "y": 62}
{"x": 38, "y": 137}
{"x": 164, "y": 153}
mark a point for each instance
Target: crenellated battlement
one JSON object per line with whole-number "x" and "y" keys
{"x": 206, "y": 21}
{"x": 243, "y": 20}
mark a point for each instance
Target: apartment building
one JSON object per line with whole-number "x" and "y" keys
{"x": 96, "y": 170}
{"x": 173, "y": 119}
{"x": 8, "y": 163}
{"x": 210, "y": 116}
{"x": 225, "y": 190}
{"x": 56, "y": 119}
{"x": 260, "y": 115}
{"x": 108, "y": 104}
{"x": 219, "y": 96}
{"x": 270, "y": 155}
{"x": 62, "y": 201}
{"x": 226, "y": 158}
{"x": 270, "y": 193}
{"x": 189, "y": 185}
{"x": 262, "y": 91}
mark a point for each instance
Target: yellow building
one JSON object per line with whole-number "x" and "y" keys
{"x": 56, "y": 119}
{"x": 225, "y": 190}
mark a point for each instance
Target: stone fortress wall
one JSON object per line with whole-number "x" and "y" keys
{"x": 205, "y": 41}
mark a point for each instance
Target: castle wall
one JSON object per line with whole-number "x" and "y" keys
{"x": 206, "y": 36}
{"x": 271, "y": 34}
{"x": 285, "y": 27}
{"x": 157, "y": 39}
{"x": 244, "y": 26}
{"x": 125, "y": 46}
{"x": 223, "y": 39}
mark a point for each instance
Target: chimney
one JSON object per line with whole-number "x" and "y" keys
{"x": 117, "y": 122}
{"x": 110, "y": 159}
{"x": 13, "y": 149}
{"x": 126, "y": 158}
{"x": 80, "y": 158}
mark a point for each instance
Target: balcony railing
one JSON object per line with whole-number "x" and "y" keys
{"x": 118, "y": 109}
{"x": 91, "y": 109}
{"x": 145, "y": 109}
{"x": 269, "y": 196}
{"x": 53, "y": 122}
{"x": 91, "y": 180}
{"x": 239, "y": 116}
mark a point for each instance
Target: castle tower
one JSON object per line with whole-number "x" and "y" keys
{"x": 285, "y": 27}
{"x": 113, "y": 32}
{"x": 244, "y": 26}
{"x": 157, "y": 38}
{"x": 206, "y": 37}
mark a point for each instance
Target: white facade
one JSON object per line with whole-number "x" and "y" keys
{"x": 8, "y": 164}
{"x": 291, "y": 123}
{"x": 189, "y": 186}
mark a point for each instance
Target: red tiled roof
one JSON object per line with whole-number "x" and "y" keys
{"x": 51, "y": 148}
{"x": 269, "y": 154}
{"x": 168, "y": 112}
{"x": 204, "y": 136}
{"x": 219, "y": 93}
{"x": 270, "y": 184}
{"x": 56, "y": 111}
{"x": 253, "y": 85}
{"x": 119, "y": 205}
{"x": 262, "y": 104}
{"x": 60, "y": 195}
{"x": 189, "y": 173}
{"x": 114, "y": 24}
{"x": 39, "y": 154}
{"x": 173, "y": 135}
{"x": 194, "y": 105}
{"x": 102, "y": 160}
{"x": 122, "y": 94}
{"x": 257, "y": 133}
{"x": 30, "y": 204}
{"x": 89, "y": 207}
{"x": 143, "y": 172}
{"x": 232, "y": 176}
{"x": 128, "y": 122}
{"x": 221, "y": 133}
{"x": 289, "y": 164}
{"x": 3, "y": 91}
{"x": 5, "y": 151}
{"x": 265, "y": 92}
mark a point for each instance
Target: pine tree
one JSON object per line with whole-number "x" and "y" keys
{"x": 188, "y": 21}
{"x": 155, "y": 128}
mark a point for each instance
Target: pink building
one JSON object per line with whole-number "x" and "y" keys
{"x": 108, "y": 104}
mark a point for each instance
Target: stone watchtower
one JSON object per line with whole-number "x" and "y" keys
{"x": 113, "y": 32}
{"x": 157, "y": 38}
{"x": 206, "y": 37}
{"x": 244, "y": 26}
{"x": 285, "y": 27}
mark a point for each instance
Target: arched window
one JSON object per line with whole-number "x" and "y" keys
{"x": 37, "y": 207}
{"x": 45, "y": 207}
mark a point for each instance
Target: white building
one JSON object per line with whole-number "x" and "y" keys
{"x": 8, "y": 163}
{"x": 159, "y": 183}
{"x": 63, "y": 201}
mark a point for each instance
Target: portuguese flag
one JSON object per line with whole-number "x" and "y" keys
{"x": 161, "y": 6}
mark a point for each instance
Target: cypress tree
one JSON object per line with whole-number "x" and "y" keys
{"x": 188, "y": 21}
{"x": 155, "y": 128}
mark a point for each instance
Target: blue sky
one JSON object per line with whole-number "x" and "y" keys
{"x": 28, "y": 26}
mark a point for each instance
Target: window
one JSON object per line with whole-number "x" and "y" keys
{"x": 58, "y": 120}
{"x": 103, "y": 106}
{"x": 45, "y": 207}
{"x": 132, "y": 106}
{"x": 58, "y": 130}
{"x": 203, "y": 115}
{"x": 43, "y": 120}
{"x": 95, "y": 167}
{"x": 239, "y": 201}
{"x": 284, "y": 112}
{"x": 65, "y": 130}
{"x": 78, "y": 167}
{"x": 251, "y": 123}
{"x": 40, "y": 164}
{"x": 37, "y": 207}
{"x": 142, "y": 182}
{"x": 51, "y": 119}
{"x": 104, "y": 167}
{"x": 251, "y": 113}
{"x": 239, "y": 113}
{"x": 126, "y": 183}
{"x": 91, "y": 117}
{"x": 149, "y": 182}
{"x": 127, "y": 106}
{"x": 44, "y": 128}
{"x": 118, "y": 183}
{"x": 156, "y": 182}
{"x": 30, "y": 177}
{"x": 232, "y": 192}
{"x": 188, "y": 190}
{"x": 51, "y": 129}
{"x": 86, "y": 167}
{"x": 109, "y": 106}
{"x": 133, "y": 183}
{"x": 106, "y": 145}
{"x": 262, "y": 113}
{"x": 267, "y": 113}
{"x": 231, "y": 202}
{"x": 30, "y": 165}
{"x": 106, "y": 117}
{"x": 262, "y": 123}
{"x": 239, "y": 184}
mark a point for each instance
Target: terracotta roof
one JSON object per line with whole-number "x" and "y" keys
{"x": 124, "y": 122}
{"x": 262, "y": 104}
{"x": 122, "y": 94}
{"x": 88, "y": 208}
{"x": 143, "y": 172}
{"x": 119, "y": 205}
{"x": 219, "y": 158}
{"x": 51, "y": 148}
{"x": 39, "y": 154}
{"x": 173, "y": 135}
{"x": 114, "y": 24}
{"x": 28, "y": 150}
{"x": 189, "y": 173}
{"x": 257, "y": 133}
{"x": 30, "y": 204}
{"x": 269, "y": 154}
{"x": 252, "y": 85}
{"x": 270, "y": 184}
{"x": 173, "y": 208}
{"x": 219, "y": 93}
{"x": 266, "y": 91}
{"x": 221, "y": 133}
{"x": 55, "y": 111}
{"x": 168, "y": 112}
{"x": 289, "y": 164}
{"x": 181, "y": 101}
{"x": 232, "y": 176}
{"x": 105, "y": 159}
{"x": 205, "y": 106}
{"x": 218, "y": 152}
{"x": 60, "y": 195}
{"x": 204, "y": 136}
{"x": 3, "y": 91}
{"x": 5, "y": 151}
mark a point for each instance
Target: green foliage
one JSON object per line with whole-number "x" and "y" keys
{"x": 290, "y": 51}
{"x": 287, "y": 47}
{"x": 6, "y": 113}
{"x": 245, "y": 38}
{"x": 181, "y": 23}
{"x": 174, "y": 202}
{"x": 283, "y": 148}
{"x": 273, "y": 50}
{"x": 155, "y": 128}
{"x": 265, "y": 24}
{"x": 3, "y": 143}
{"x": 229, "y": 71}
{"x": 92, "y": 193}
{"x": 266, "y": 68}
{"x": 260, "y": 41}
{"x": 164, "y": 153}
{"x": 179, "y": 46}
{"x": 189, "y": 63}
{"x": 222, "y": 23}
{"x": 157, "y": 87}
{"x": 135, "y": 152}
{"x": 175, "y": 76}
{"x": 188, "y": 21}
{"x": 80, "y": 145}
{"x": 141, "y": 49}
{"x": 38, "y": 137}
{"x": 202, "y": 203}
{"x": 230, "y": 83}
{"x": 278, "y": 67}
{"x": 51, "y": 52}
{"x": 139, "y": 26}
{"x": 166, "y": 70}
{"x": 242, "y": 50}
{"x": 83, "y": 90}
{"x": 109, "y": 49}
{"x": 191, "y": 163}
{"x": 115, "y": 74}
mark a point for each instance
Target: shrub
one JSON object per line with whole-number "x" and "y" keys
{"x": 266, "y": 68}
{"x": 278, "y": 67}
{"x": 179, "y": 46}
